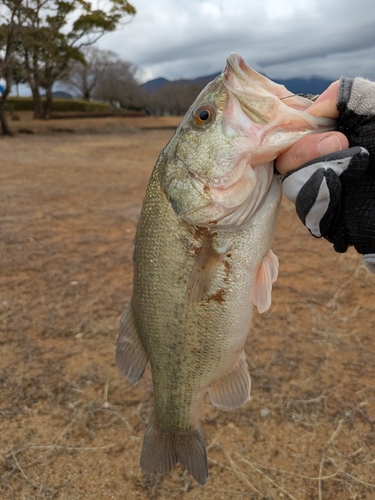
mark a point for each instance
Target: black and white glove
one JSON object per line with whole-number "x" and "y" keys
{"x": 335, "y": 194}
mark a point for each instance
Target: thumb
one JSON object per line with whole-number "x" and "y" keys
{"x": 308, "y": 148}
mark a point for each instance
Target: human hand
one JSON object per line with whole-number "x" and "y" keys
{"x": 335, "y": 194}
{"x": 315, "y": 145}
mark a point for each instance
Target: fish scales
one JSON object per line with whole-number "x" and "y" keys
{"x": 203, "y": 257}
{"x": 200, "y": 348}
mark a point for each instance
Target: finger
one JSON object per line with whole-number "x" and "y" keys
{"x": 308, "y": 148}
{"x": 326, "y": 104}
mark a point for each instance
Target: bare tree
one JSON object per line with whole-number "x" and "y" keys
{"x": 118, "y": 85}
{"x": 84, "y": 77}
{"x": 174, "y": 97}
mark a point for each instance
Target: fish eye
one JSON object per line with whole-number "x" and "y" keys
{"x": 203, "y": 115}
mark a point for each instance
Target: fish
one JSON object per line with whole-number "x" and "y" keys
{"x": 203, "y": 258}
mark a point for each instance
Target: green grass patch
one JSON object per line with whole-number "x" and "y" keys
{"x": 26, "y": 104}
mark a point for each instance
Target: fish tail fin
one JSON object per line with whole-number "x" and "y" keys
{"x": 162, "y": 450}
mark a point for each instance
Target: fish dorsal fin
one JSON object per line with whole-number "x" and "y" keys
{"x": 131, "y": 358}
{"x": 233, "y": 389}
{"x": 204, "y": 270}
{"x": 266, "y": 275}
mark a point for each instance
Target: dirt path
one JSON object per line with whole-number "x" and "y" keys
{"x": 71, "y": 427}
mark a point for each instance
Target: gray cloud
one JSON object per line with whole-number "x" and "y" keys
{"x": 299, "y": 38}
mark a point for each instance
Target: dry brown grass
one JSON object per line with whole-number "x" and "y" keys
{"x": 71, "y": 427}
{"x": 25, "y": 124}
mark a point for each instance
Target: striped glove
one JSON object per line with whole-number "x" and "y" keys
{"x": 335, "y": 194}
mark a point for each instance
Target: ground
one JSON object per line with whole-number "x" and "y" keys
{"x": 71, "y": 426}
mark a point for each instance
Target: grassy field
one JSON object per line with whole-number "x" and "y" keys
{"x": 71, "y": 426}
{"x": 25, "y": 124}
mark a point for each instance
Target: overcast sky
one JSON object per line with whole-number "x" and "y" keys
{"x": 281, "y": 38}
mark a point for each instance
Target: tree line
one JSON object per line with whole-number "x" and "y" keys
{"x": 106, "y": 77}
{"x": 47, "y": 41}
{"x": 41, "y": 40}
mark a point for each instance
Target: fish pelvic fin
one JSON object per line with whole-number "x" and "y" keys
{"x": 233, "y": 389}
{"x": 266, "y": 275}
{"x": 131, "y": 358}
{"x": 162, "y": 450}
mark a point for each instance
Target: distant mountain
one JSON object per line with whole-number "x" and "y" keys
{"x": 156, "y": 84}
{"x": 315, "y": 85}
{"x": 203, "y": 80}
{"x": 153, "y": 85}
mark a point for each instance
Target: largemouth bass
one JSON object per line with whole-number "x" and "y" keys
{"x": 202, "y": 257}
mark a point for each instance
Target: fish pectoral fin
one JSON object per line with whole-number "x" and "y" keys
{"x": 204, "y": 270}
{"x": 162, "y": 450}
{"x": 266, "y": 275}
{"x": 131, "y": 358}
{"x": 233, "y": 389}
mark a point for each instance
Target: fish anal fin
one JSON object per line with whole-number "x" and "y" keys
{"x": 233, "y": 389}
{"x": 204, "y": 270}
{"x": 162, "y": 450}
{"x": 131, "y": 358}
{"x": 266, "y": 275}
